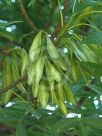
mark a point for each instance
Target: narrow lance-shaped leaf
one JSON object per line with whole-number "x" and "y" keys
{"x": 16, "y": 75}
{"x": 91, "y": 57}
{"x": 60, "y": 103}
{"x": 31, "y": 73}
{"x": 60, "y": 91}
{"x": 79, "y": 54}
{"x": 35, "y": 89}
{"x": 52, "y": 51}
{"x": 39, "y": 67}
{"x": 35, "y": 47}
{"x": 55, "y": 74}
{"x": 7, "y": 79}
{"x": 52, "y": 89}
{"x": 43, "y": 95}
{"x": 73, "y": 71}
{"x": 20, "y": 130}
{"x": 24, "y": 58}
{"x": 69, "y": 94}
{"x": 60, "y": 63}
{"x": 63, "y": 107}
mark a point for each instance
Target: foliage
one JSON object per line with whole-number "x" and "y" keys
{"x": 50, "y": 67}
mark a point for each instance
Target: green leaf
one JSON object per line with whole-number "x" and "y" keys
{"x": 64, "y": 124}
{"x": 43, "y": 95}
{"x": 35, "y": 90}
{"x": 7, "y": 79}
{"x": 32, "y": 2}
{"x": 16, "y": 75}
{"x": 52, "y": 51}
{"x": 79, "y": 54}
{"x": 96, "y": 89}
{"x": 91, "y": 57}
{"x": 60, "y": 63}
{"x": 93, "y": 122}
{"x": 24, "y": 58}
{"x": 39, "y": 68}
{"x": 20, "y": 130}
{"x": 54, "y": 73}
{"x": 7, "y": 35}
{"x": 35, "y": 47}
{"x": 93, "y": 38}
{"x": 31, "y": 73}
{"x": 69, "y": 95}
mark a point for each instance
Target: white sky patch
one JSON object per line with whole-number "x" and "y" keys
{"x": 3, "y": 21}
{"x": 92, "y": 77}
{"x": 61, "y": 7}
{"x": 70, "y": 31}
{"x": 96, "y": 102}
{"x": 65, "y": 50}
{"x": 56, "y": 106}
{"x": 73, "y": 115}
{"x": 9, "y": 104}
{"x": 48, "y": 107}
{"x": 65, "y": 101}
{"x": 37, "y": 117}
{"x": 13, "y": 27}
{"x": 83, "y": 108}
{"x": 13, "y": 1}
{"x": 9, "y": 29}
{"x": 50, "y": 113}
{"x": 17, "y": 47}
{"x": 101, "y": 78}
{"x": 55, "y": 39}
{"x": 94, "y": 98}
{"x": 70, "y": 103}
{"x": 100, "y": 116}
{"x": 100, "y": 97}
{"x": 49, "y": 35}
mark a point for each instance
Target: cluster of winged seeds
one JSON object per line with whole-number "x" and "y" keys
{"x": 46, "y": 70}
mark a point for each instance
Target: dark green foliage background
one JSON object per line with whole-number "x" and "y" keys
{"x": 84, "y": 17}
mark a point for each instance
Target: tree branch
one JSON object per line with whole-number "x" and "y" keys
{"x": 58, "y": 29}
{"x": 8, "y": 40}
{"x": 66, "y": 8}
{"x": 51, "y": 14}
{"x": 4, "y": 90}
{"x": 25, "y": 15}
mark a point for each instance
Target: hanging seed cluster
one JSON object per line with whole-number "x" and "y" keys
{"x": 46, "y": 73}
{"x": 46, "y": 70}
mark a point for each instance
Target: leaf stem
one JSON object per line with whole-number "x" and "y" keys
{"x": 13, "y": 84}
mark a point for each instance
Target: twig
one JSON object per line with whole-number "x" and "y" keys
{"x": 25, "y": 15}
{"x": 51, "y": 14}
{"x": 66, "y": 8}
{"x": 25, "y": 35}
{"x": 61, "y": 15}
{"x": 7, "y": 40}
{"x": 64, "y": 12}
{"x": 13, "y": 84}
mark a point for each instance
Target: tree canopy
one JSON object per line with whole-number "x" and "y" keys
{"x": 50, "y": 67}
